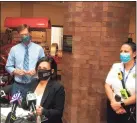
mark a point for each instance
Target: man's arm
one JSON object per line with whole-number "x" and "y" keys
{"x": 41, "y": 53}
{"x": 10, "y": 65}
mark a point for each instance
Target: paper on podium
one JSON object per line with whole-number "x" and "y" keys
{"x": 19, "y": 111}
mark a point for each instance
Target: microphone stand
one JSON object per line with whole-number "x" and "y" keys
{"x": 38, "y": 118}
{"x": 12, "y": 115}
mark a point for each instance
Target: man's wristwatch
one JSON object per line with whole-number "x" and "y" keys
{"x": 122, "y": 104}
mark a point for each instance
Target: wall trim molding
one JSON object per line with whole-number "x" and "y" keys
{"x": 56, "y": 26}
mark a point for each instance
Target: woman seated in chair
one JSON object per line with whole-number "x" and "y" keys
{"x": 49, "y": 92}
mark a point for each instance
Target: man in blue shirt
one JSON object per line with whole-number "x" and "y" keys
{"x": 22, "y": 60}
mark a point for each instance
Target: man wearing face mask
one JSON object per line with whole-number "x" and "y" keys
{"x": 22, "y": 59}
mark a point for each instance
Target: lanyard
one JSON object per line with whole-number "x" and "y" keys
{"x": 125, "y": 79}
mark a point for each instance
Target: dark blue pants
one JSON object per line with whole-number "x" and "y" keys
{"x": 112, "y": 117}
{"x": 23, "y": 88}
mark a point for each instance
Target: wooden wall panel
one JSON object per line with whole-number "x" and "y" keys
{"x": 132, "y": 26}
{"x": 9, "y": 9}
{"x": 34, "y": 9}
{"x": 26, "y": 9}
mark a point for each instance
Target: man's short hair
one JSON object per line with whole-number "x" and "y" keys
{"x": 22, "y": 27}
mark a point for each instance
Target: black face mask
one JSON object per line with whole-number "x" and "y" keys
{"x": 44, "y": 74}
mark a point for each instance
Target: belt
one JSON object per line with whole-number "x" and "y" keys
{"x": 19, "y": 83}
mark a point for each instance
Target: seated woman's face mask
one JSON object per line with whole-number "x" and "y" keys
{"x": 44, "y": 74}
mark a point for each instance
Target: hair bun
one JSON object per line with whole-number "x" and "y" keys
{"x": 129, "y": 40}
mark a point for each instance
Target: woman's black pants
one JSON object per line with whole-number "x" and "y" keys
{"x": 112, "y": 117}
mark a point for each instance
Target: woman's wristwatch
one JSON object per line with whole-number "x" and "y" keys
{"x": 122, "y": 104}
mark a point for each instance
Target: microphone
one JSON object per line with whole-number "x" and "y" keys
{"x": 3, "y": 79}
{"x": 15, "y": 100}
{"x": 6, "y": 90}
{"x": 3, "y": 92}
{"x": 31, "y": 101}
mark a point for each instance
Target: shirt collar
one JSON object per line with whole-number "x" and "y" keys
{"x": 27, "y": 45}
{"x": 122, "y": 67}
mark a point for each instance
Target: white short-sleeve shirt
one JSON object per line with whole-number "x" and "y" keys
{"x": 116, "y": 84}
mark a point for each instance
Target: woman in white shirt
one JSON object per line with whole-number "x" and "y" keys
{"x": 120, "y": 98}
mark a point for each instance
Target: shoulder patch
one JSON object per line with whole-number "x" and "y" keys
{"x": 134, "y": 75}
{"x": 120, "y": 76}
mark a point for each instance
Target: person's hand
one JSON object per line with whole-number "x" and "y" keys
{"x": 19, "y": 72}
{"x": 30, "y": 72}
{"x": 39, "y": 110}
{"x": 121, "y": 111}
{"x": 115, "y": 105}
